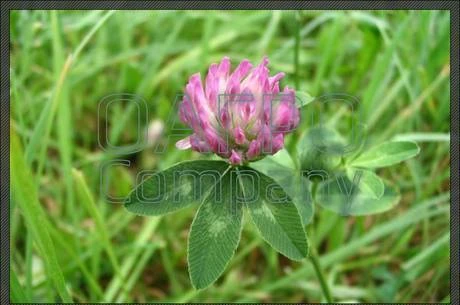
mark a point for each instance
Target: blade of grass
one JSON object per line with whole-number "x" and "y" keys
{"x": 383, "y": 105}
{"x": 25, "y": 193}
{"x": 78, "y": 259}
{"x": 209, "y": 26}
{"x": 138, "y": 246}
{"x": 166, "y": 260}
{"x": 41, "y": 134}
{"x": 269, "y": 32}
{"x": 413, "y": 262}
{"x": 84, "y": 194}
{"x": 17, "y": 291}
{"x": 155, "y": 62}
{"x": 137, "y": 270}
{"x": 382, "y": 72}
{"x": 191, "y": 56}
{"x": 406, "y": 113}
{"x": 297, "y": 50}
{"x": 65, "y": 130}
{"x": 421, "y": 211}
{"x": 306, "y": 30}
{"x": 29, "y": 266}
{"x": 382, "y": 27}
{"x": 423, "y": 137}
{"x": 157, "y": 58}
{"x": 157, "y": 76}
{"x": 328, "y": 38}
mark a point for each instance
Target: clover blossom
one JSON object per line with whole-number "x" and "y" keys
{"x": 241, "y": 116}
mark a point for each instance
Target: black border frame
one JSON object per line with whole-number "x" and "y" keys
{"x": 452, "y": 6}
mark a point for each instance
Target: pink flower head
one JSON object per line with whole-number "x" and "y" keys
{"x": 241, "y": 116}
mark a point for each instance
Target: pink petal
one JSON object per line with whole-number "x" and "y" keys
{"x": 239, "y": 136}
{"x": 184, "y": 143}
{"x": 198, "y": 144}
{"x": 275, "y": 79}
{"x": 212, "y": 85}
{"x": 233, "y": 84}
{"x": 254, "y": 149}
{"x": 282, "y": 116}
{"x": 235, "y": 158}
{"x": 286, "y": 116}
{"x": 277, "y": 143}
{"x": 224, "y": 67}
{"x": 216, "y": 142}
{"x": 225, "y": 117}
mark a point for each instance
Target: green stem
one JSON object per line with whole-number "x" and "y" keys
{"x": 314, "y": 258}
{"x": 297, "y": 50}
{"x": 320, "y": 274}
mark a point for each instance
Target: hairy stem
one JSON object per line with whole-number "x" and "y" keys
{"x": 320, "y": 274}
{"x": 315, "y": 261}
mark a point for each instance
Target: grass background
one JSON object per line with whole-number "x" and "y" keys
{"x": 69, "y": 243}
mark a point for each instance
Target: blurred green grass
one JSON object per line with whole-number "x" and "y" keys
{"x": 67, "y": 241}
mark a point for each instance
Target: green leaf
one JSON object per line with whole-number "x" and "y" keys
{"x": 175, "y": 188}
{"x": 320, "y": 148}
{"x": 283, "y": 158}
{"x": 343, "y": 196}
{"x": 303, "y": 98}
{"x": 215, "y": 232}
{"x": 368, "y": 183}
{"x": 280, "y": 167}
{"x": 274, "y": 213}
{"x": 386, "y": 154}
